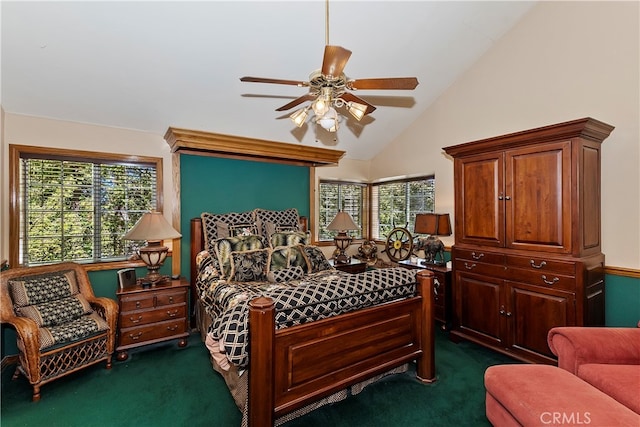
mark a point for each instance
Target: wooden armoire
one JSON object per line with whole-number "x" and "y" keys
{"x": 527, "y": 252}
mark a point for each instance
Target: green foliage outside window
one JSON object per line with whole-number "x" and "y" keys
{"x": 79, "y": 210}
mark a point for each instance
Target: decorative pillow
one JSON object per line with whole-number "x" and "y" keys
{"x": 316, "y": 259}
{"x": 56, "y": 312}
{"x": 224, "y": 247}
{"x": 210, "y": 228}
{"x": 208, "y": 269}
{"x": 42, "y": 288}
{"x": 243, "y": 229}
{"x": 222, "y": 228}
{"x": 286, "y": 274}
{"x": 297, "y": 258}
{"x": 75, "y": 330}
{"x": 249, "y": 266}
{"x": 278, "y": 258}
{"x": 288, "y": 238}
{"x": 283, "y": 217}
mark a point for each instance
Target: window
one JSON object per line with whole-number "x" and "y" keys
{"x": 336, "y": 196}
{"x": 76, "y": 206}
{"x": 396, "y": 203}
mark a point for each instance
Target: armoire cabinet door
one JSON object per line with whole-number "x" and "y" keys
{"x": 478, "y": 308}
{"x": 538, "y": 198}
{"x": 535, "y": 312}
{"x": 479, "y": 218}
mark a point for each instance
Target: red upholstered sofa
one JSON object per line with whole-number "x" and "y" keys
{"x": 597, "y": 382}
{"x": 606, "y": 358}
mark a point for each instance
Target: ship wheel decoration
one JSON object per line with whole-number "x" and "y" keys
{"x": 399, "y": 244}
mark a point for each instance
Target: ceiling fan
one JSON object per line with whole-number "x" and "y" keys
{"x": 329, "y": 88}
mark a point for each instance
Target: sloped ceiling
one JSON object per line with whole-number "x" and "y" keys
{"x": 151, "y": 65}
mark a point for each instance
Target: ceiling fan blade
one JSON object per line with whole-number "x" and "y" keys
{"x": 349, "y": 97}
{"x": 400, "y": 83}
{"x": 297, "y": 101}
{"x": 275, "y": 81}
{"x": 334, "y": 61}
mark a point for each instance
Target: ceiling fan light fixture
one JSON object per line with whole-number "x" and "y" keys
{"x": 329, "y": 120}
{"x": 300, "y": 116}
{"x": 357, "y": 110}
{"x": 322, "y": 103}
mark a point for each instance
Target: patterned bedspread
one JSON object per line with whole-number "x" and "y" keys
{"x": 315, "y": 296}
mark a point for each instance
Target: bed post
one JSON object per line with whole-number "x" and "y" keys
{"x": 261, "y": 371}
{"x": 426, "y": 363}
{"x": 197, "y": 245}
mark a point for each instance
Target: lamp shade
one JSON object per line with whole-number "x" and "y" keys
{"x": 152, "y": 227}
{"x": 433, "y": 224}
{"x": 342, "y": 222}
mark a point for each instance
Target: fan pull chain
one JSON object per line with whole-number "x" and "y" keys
{"x": 326, "y": 23}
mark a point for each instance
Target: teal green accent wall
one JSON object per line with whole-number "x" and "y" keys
{"x": 219, "y": 185}
{"x": 622, "y": 301}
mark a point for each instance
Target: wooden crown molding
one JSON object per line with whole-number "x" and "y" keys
{"x": 207, "y": 143}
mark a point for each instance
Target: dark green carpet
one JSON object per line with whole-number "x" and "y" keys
{"x": 169, "y": 386}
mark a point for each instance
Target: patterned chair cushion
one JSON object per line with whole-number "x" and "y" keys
{"x": 286, "y": 274}
{"x": 56, "y": 312}
{"x": 316, "y": 259}
{"x": 38, "y": 289}
{"x": 75, "y": 330}
{"x": 249, "y": 266}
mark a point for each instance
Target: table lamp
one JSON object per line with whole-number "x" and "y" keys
{"x": 153, "y": 228}
{"x": 434, "y": 225}
{"x": 342, "y": 223}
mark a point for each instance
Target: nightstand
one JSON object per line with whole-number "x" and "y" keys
{"x": 153, "y": 314}
{"x": 442, "y": 302}
{"x": 354, "y": 266}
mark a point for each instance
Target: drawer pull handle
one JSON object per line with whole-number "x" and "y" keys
{"x": 533, "y": 264}
{"x": 137, "y": 304}
{"x": 136, "y": 336}
{"x": 550, "y": 282}
{"x": 135, "y": 320}
{"x": 469, "y": 267}
{"x": 172, "y": 313}
{"x": 476, "y": 256}
{"x": 171, "y": 299}
{"x": 172, "y": 328}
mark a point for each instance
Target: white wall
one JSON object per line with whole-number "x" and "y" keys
{"x": 41, "y": 132}
{"x": 563, "y": 61}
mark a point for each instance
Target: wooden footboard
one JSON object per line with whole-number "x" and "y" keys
{"x": 292, "y": 367}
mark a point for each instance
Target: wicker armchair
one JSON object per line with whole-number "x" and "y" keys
{"x": 61, "y": 326}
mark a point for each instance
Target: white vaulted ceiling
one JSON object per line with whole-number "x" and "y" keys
{"x": 150, "y": 65}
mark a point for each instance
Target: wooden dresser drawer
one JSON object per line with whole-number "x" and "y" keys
{"x": 541, "y": 264}
{"x": 136, "y": 302}
{"x": 169, "y": 298}
{"x": 153, "y": 314}
{"x": 479, "y": 256}
{"x": 469, "y": 266}
{"x": 143, "y": 317}
{"x": 548, "y": 280}
{"x": 156, "y": 331}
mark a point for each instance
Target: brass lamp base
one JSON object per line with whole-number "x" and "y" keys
{"x": 342, "y": 242}
{"x": 153, "y": 255}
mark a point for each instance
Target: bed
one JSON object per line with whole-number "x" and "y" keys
{"x": 280, "y": 363}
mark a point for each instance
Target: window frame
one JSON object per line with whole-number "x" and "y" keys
{"x": 364, "y": 210}
{"x": 16, "y": 152}
{"x": 379, "y": 239}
